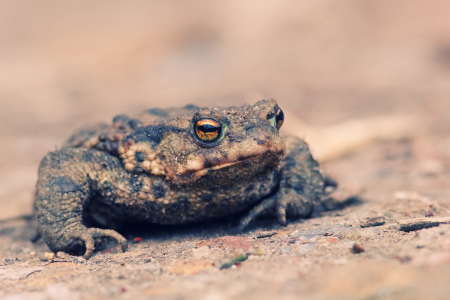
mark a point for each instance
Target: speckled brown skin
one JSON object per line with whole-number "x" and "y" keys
{"x": 152, "y": 167}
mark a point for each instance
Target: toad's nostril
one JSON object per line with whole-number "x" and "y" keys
{"x": 252, "y": 131}
{"x": 261, "y": 142}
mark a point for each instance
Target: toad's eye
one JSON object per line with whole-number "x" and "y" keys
{"x": 276, "y": 119}
{"x": 279, "y": 118}
{"x": 208, "y": 130}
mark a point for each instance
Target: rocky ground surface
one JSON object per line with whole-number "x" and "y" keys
{"x": 385, "y": 234}
{"x": 359, "y": 250}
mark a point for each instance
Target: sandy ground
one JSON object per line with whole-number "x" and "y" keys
{"x": 65, "y": 64}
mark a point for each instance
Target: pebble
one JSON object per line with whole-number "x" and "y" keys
{"x": 357, "y": 248}
{"x": 48, "y": 256}
{"x": 377, "y": 221}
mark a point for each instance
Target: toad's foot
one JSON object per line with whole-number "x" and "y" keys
{"x": 280, "y": 207}
{"x": 66, "y": 183}
{"x": 296, "y": 205}
{"x": 256, "y": 211}
{"x": 301, "y": 186}
{"x": 89, "y": 235}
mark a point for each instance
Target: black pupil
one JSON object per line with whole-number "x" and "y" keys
{"x": 208, "y": 128}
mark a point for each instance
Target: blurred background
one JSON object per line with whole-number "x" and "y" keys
{"x": 63, "y": 64}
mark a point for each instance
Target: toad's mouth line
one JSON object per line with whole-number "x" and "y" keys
{"x": 225, "y": 164}
{"x": 202, "y": 172}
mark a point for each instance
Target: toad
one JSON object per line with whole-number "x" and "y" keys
{"x": 173, "y": 166}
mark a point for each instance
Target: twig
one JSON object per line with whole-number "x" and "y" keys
{"x": 420, "y": 223}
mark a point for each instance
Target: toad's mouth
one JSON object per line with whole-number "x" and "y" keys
{"x": 203, "y": 171}
{"x": 192, "y": 175}
{"x": 200, "y": 166}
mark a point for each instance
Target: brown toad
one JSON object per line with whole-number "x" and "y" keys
{"x": 173, "y": 166}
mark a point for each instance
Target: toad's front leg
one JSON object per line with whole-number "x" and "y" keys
{"x": 301, "y": 186}
{"x": 66, "y": 182}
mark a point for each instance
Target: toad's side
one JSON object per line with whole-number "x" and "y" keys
{"x": 173, "y": 167}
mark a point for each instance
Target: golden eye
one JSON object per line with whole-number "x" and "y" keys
{"x": 276, "y": 118}
{"x": 208, "y": 130}
{"x": 279, "y": 118}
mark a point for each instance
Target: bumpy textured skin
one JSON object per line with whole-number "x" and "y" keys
{"x": 151, "y": 167}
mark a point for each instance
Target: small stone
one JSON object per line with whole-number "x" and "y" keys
{"x": 357, "y": 248}
{"x": 60, "y": 254}
{"x": 49, "y": 255}
{"x": 32, "y": 254}
{"x": 137, "y": 240}
{"x": 377, "y": 221}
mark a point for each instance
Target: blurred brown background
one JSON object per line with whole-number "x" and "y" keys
{"x": 63, "y": 64}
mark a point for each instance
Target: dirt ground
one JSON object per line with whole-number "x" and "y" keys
{"x": 66, "y": 64}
